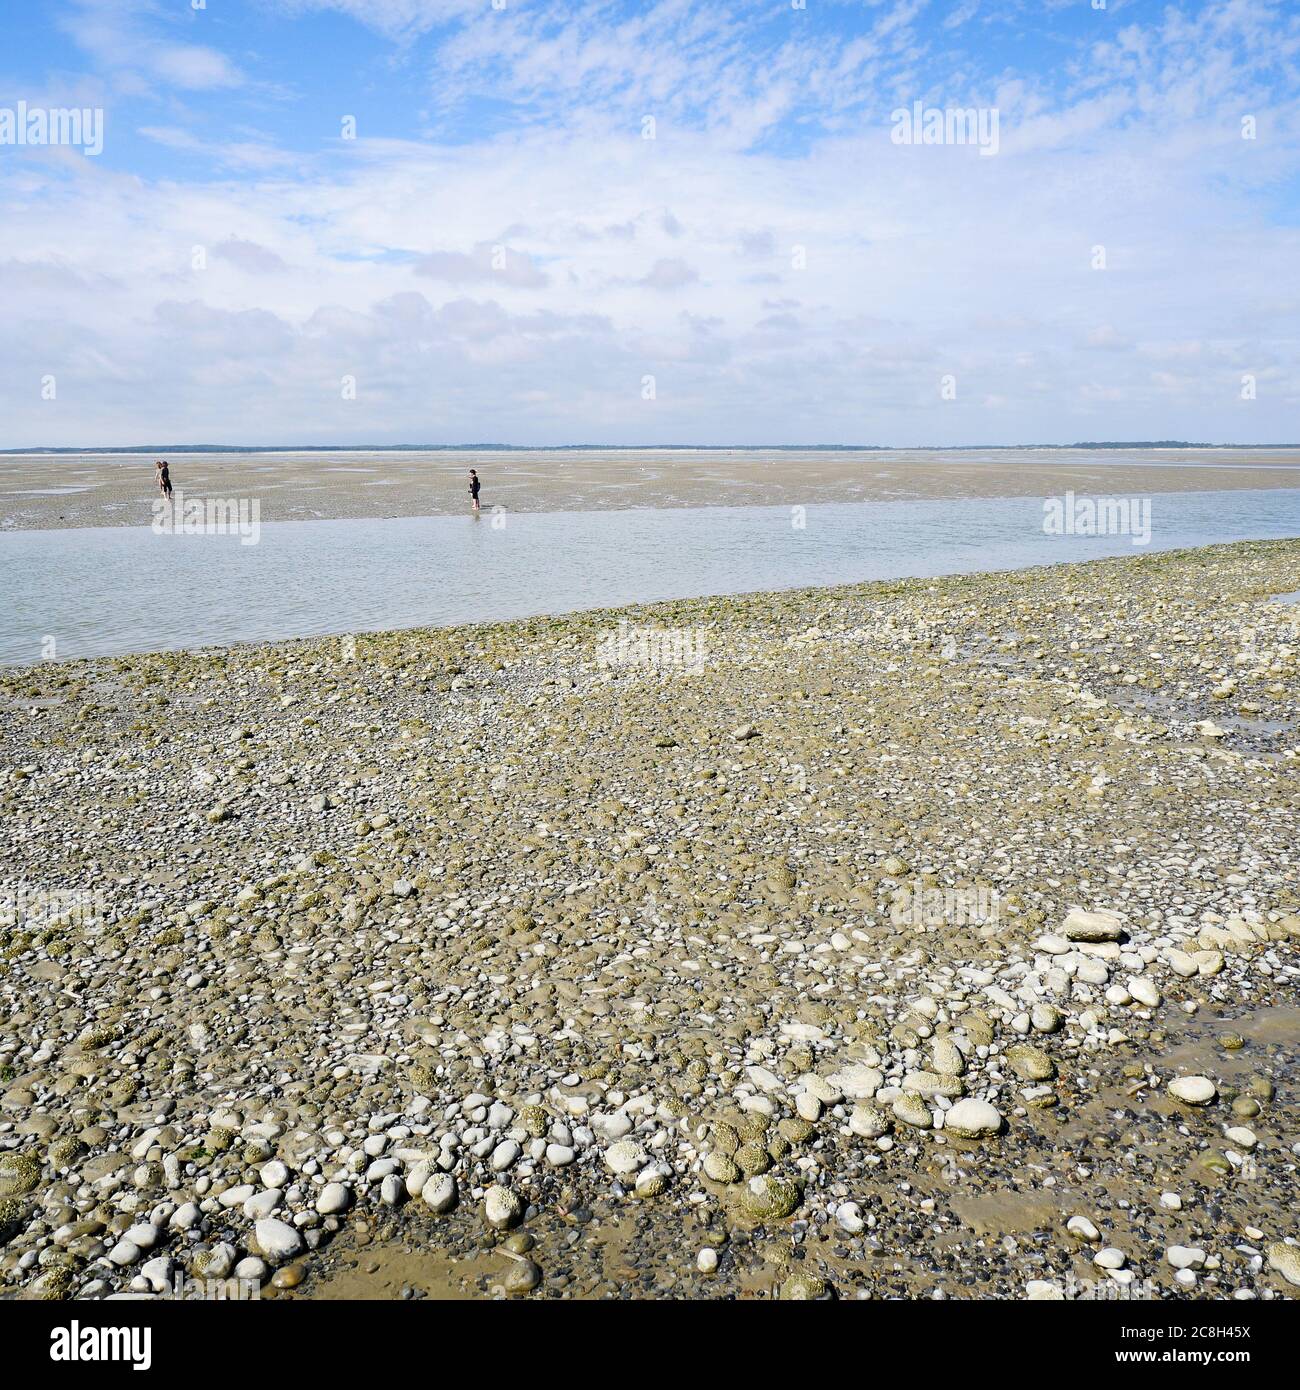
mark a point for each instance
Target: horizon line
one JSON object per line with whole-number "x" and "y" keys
{"x": 627, "y": 448}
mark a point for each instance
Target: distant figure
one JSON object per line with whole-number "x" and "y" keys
{"x": 474, "y": 487}
{"x": 164, "y": 479}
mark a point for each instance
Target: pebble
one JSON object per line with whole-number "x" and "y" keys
{"x": 973, "y": 1119}
{"x": 1092, "y": 926}
{"x": 334, "y": 1197}
{"x": 501, "y": 1208}
{"x": 439, "y": 1193}
{"x": 277, "y": 1240}
{"x": 523, "y": 1276}
{"x": 624, "y": 1157}
{"x": 1185, "y": 1256}
{"x": 849, "y": 1217}
{"x": 157, "y": 1273}
{"x": 1285, "y": 1259}
{"x": 504, "y": 1155}
{"x": 1193, "y": 1090}
{"x": 274, "y": 1174}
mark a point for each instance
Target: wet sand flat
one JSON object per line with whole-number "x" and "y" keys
{"x": 49, "y": 491}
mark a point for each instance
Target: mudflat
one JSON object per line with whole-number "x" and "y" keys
{"x": 47, "y": 491}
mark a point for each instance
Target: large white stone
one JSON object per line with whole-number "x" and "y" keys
{"x": 973, "y": 1119}
{"x": 1092, "y": 926}
{"x": 624, "y": 1157}
{"x": 439, "y": 1193}
{"x": 334, "y": 1198}
{"x": 277, "y": 1240}
{"x": 1193, "y": 1090}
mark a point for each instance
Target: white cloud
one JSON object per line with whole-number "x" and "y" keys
{"x": 486, "y": 263}
{"x": 191, "y": 66}
{"x": 669, "y": 273}
{"x": 779, "y": 292}
{"x": 119, "y": 39}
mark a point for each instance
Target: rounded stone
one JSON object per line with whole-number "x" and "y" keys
{"x": 501, "y": 1208}
{"x": 1193, "y": 1090}
{"x": 973, "y": 1119}
{"x": 524, "y": 1276}
{"x": 277, "y": 1240}
{"x": 334, "y": 1197}
{"x": 439, "y": 1193}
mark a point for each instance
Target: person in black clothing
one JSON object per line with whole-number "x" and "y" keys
{"x": 164, "y": 479}
{"x": 473, "y": 487}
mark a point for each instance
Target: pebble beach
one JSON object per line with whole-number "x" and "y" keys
{"x": 933, "y": 938}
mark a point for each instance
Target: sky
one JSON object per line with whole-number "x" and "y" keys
{"x": 689, "y": 222}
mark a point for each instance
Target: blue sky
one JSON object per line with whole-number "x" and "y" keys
{"x": 500, "y": 254}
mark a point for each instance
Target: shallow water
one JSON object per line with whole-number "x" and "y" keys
{"x": 103, "y": 590}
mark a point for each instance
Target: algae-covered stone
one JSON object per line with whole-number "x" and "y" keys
{"x": 867, "y": 1122}
{"x": 752, "y": 1158}
{"x": 929, "y": 1083}
{"x": 801, "y": 1286}
{"x": 501, "y": 1208}
{"x": 534, "y": 1120}
{"x": 54, "y": 1284}
{"x": 652, "y": 1180}
{"x": 754, "y": 1125}
{"x": 770, "y": 1199}
{"x": 1030, "y": 1063}
{"x": 795, "y": 1130}
{"x": 1285, "y": 1259}
{"x": 947, "y": 1057}
{"x": 911, "y": 1110}
{"x": 423, "y": 1079}
{"x": 20, "y": 1173}
{"x": 721, "y": 1167}
{"x": 725, "y": 1139}
{"x": 64, "y": 1152}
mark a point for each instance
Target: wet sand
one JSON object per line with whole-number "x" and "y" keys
{"x": 42, "y": 492}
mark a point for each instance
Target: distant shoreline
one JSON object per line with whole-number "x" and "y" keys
{"x": 619, "y": 448}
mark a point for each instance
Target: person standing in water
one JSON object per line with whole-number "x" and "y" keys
{"x": 474, "y": 487}
{"x": 164, "y": 479}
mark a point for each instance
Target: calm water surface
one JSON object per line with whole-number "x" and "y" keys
{"x": 104, "y": 590}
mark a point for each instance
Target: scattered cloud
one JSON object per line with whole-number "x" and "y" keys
{"x": 248, "y": 255}
{"x": 487, "y": 262}
{"x": 669, "y": 273}
{"x": 502, "y": 231}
